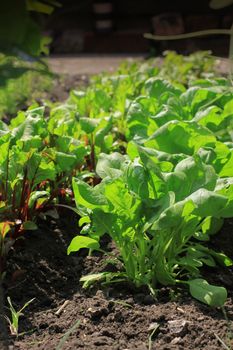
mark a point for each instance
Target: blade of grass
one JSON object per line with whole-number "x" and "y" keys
{"x": 151, "y": 336}
{"x": 66, "y": 335}
{"x": 121, "y": 303}
{"x": 222, "y": 342}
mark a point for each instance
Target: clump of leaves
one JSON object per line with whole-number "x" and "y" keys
{"x": 185, "y": 69}
{"x": 157, "y": 219}
{"x": 21, "y": 83}
{"x": 36, "y": 168}
{"x": 179, "y": 141}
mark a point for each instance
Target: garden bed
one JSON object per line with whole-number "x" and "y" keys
{"x": 147, "y": 161}
{"x": 114, "y": 317}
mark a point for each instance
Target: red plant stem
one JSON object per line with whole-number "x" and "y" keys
{"x": 13, "y": 199}
{"x": 2, "y": 192}
{"x": 22, "y": 199}
{"x": 25, "y": 208}
{"x": 28, "y": 193}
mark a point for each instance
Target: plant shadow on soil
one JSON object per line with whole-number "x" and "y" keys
{"x": 113, "y": 317}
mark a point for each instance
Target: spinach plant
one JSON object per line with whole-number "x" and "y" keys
{"x": 157, "y": 219}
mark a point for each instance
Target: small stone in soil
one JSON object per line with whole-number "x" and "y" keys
{"x": 176, "y": 340}
{"x": 201, "y": 318}
{"x": 153, "y": 326}
{"x": 99, "y": 294}
{"x": 129, "y": 301}
{"x": 97, "y": 313}
{"x": 178, "y": 327}
{"x": 180, "y": 310}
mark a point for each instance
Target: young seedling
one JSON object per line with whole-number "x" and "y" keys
{"x": 15, "y": 315}
{"x": 154, "y": 329}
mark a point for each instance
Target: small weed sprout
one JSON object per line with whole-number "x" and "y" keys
{"x": 15, "y": 315}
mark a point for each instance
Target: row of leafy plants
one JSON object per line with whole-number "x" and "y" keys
{"x": 149, "y": 154}
{"x": 21, "y": 82}
{"x": 23, "y": 75}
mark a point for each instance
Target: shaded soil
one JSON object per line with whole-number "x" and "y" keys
{"x": 112, "y": 317}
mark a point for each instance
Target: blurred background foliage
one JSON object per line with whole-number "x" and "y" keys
{"x": 19, "y": 31}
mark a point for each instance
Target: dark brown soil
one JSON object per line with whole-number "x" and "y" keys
{"x": 116, "y": 317}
